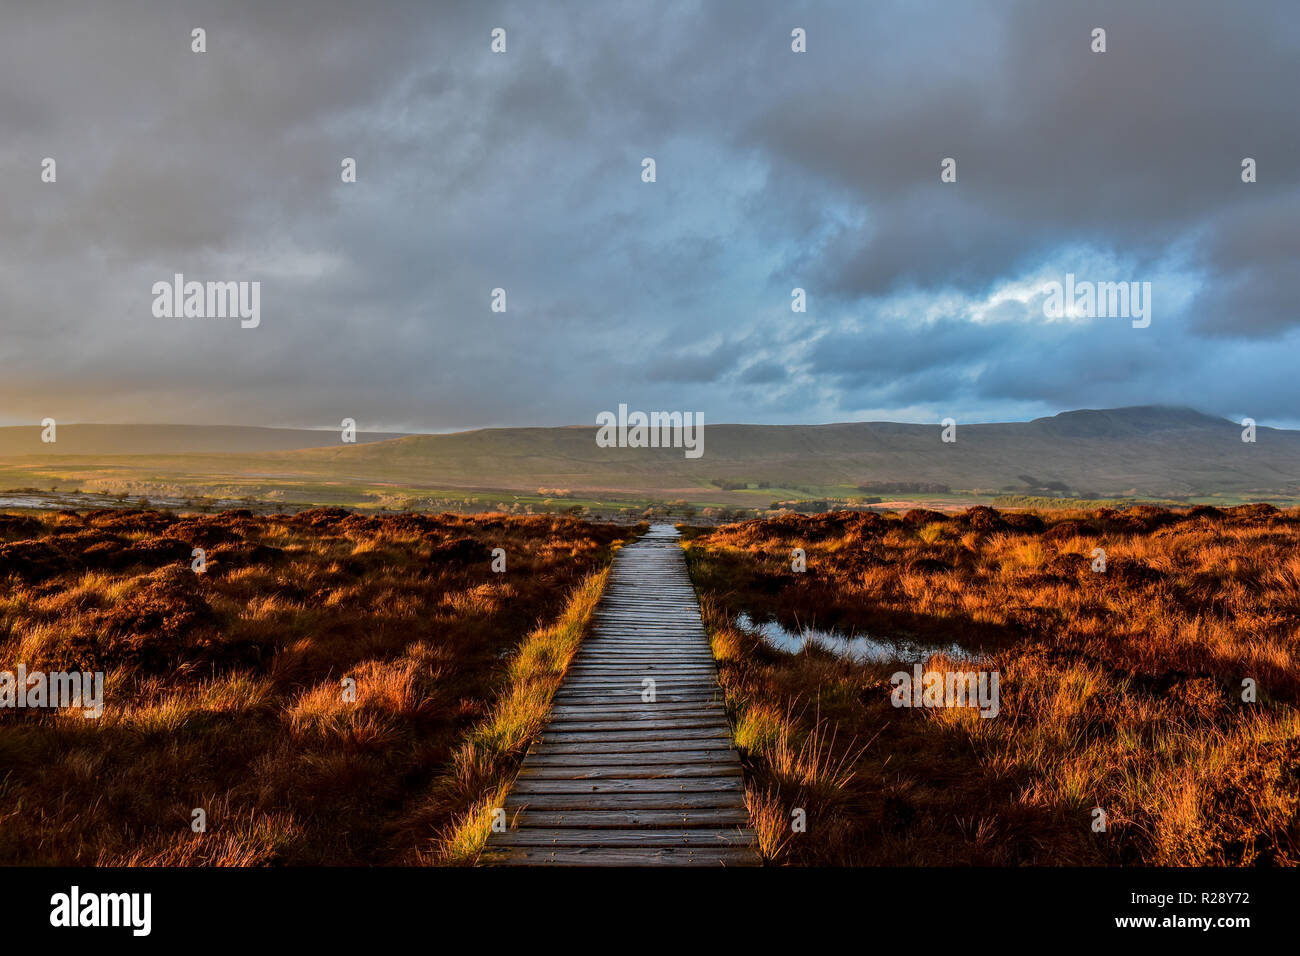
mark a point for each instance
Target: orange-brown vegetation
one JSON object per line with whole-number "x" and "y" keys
{"x": 224, "y": 688}
{"x": 1120, "y": 690}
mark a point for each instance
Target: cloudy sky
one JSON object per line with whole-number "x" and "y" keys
{"x": 523, "y": 171}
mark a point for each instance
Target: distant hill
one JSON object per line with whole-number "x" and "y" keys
{"x": 168, "y": 439}
{"x": 1147, "y": 451}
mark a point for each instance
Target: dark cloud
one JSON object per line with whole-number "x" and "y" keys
{"x": 523, "y": 171}
{"x": 763, "y": 373}
{"x": 882, "y": 350}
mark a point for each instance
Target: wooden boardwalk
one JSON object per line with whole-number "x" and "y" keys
{"x": 618, "y": 779}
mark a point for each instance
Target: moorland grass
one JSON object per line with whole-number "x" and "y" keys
{"x": 224, "y": 689}
{"x": 1120, "y": 690}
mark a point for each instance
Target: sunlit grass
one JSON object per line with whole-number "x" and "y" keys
{"x": 485, "y": 764}
{"x": 1120, "y": 690}
{"x": 309, "y": 691}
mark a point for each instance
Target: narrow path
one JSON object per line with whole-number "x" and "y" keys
{"x": 617, "y": 778}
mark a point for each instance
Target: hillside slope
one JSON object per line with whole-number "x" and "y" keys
{"x": 1145, "y": 450}
{"x": 1142, "y": 451}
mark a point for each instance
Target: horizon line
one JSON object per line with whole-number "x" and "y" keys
{"x": 407, "y": 433}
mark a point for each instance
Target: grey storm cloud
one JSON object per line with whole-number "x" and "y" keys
{"x": 522, "y": 171}
{"x": 763, "y": 373}
{"x": 882, "y": 352}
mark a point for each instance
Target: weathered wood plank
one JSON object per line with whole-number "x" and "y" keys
{"x": 643, "y": 819}
{"x": 622, "y": 856}
{"x": 639, "y": 658}
{"x": 683, "y": 736}
{"x": 639, "y": 672}
{"x": 638, "y": 712}
{"x": 635, "y": 711}
{"x": 679, "y": 771}
{"x": 626, "y": 685}
{"x": 711, "y": 799}
{"x": 642, "y": 759}
{"x": 628, "y": 699}
{"x": 695, "y": 837}
{"x": 563, "y": 745}
{"x": 526, "y": 786}
{"x": 661, "y": 723}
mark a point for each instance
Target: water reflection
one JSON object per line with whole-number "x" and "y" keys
{"x": 856, "y": 647}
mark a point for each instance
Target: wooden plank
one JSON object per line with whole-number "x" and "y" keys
{"x": 621, "y": 856}
{"x": 623, "y": 685}
{"x": 625, "y": 689}
{"x": 639, "y": 672}
{"x": 639, "y": 668}
{"x": 677, "y": 771}
{"x": 627, "y": 703}
{"x": 647, "y": 654}
{"x": 642, "y": 819}
{"x": 620, "y": 664}
{"x": 680, "y": 736}
{"x": 635, "y": 711}
{"x": 685, "y": 800}
{"x": 672, "y": 758}
{"x": 703, "y": 667}
{"x": 637, "y": 658}
{"x": 562, "y": 745}
{"x": 661, "y": 724}
{"x": 606, "y": 700}
{"x": 697, "y": 837}
{"x": 527, "y": 785}
{"x": 638, "y": 711}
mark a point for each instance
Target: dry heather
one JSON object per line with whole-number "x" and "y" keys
{"x": 1120, "y": 690}
{"x": 224, "y": 688}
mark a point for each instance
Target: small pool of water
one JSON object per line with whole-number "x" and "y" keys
{"x": 857, "y": 647}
